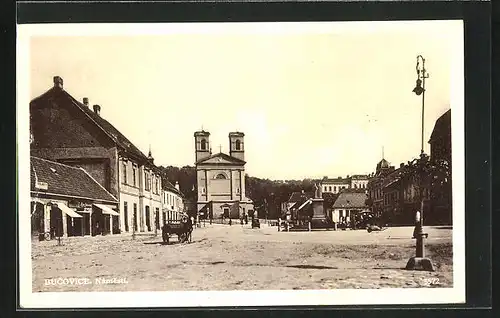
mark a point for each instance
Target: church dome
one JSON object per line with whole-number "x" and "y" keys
{"x": 383, "y": 164}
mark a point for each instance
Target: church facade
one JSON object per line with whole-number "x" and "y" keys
{"x": 220, "y": 179}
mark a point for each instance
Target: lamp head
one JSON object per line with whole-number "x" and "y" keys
{"x": 418, "y": 88}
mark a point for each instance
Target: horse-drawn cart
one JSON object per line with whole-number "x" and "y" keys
{"x": 182, "y": 229}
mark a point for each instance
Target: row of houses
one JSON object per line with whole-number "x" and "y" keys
{"x": 336, "y": 185}
{"x": 339, "y": 207}
{"x": 87, "y": 177}
{"x": 394, "y": 193}
{"x": 390, "y": 193}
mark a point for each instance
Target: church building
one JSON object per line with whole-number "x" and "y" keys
{"x": 220, "y": 179}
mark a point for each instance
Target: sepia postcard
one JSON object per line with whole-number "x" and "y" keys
{"x": 241, "y": 164}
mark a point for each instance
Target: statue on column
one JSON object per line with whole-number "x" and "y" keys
{"x": 317, "y": 191}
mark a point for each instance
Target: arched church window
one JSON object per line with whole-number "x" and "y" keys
{"x": 238, "y": 145}
{"x": 220, "y": 176}
{"x": 203, "y": 145}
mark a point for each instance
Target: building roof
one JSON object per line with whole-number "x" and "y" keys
{"x": 383, "y": 164}
{"x": 299, "y": 196}
{"x": 360, "y": 177}
{"x": 338, "y": 180}
{"x": 393, "y": 177}
{"x": 442, "y": 127}
{"x": 116, "y": 136}
{"x": 67, "y": 180}
{"x": 168, "y": 186}
{"x": 350, "y": 200}
{"x": 226, "y": 159}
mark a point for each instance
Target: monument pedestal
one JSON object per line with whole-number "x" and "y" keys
{"x": 318, "y": 218}
{"x": 317, "y": 206}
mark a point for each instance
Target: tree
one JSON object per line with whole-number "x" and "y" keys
{"x": 432, "y": 179}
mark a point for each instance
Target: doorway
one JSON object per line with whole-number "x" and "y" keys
{"x": 56, "y": 225}
{"x": 148, "y": 219}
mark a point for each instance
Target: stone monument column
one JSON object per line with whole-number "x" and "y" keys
{"x": 317, "y": 205}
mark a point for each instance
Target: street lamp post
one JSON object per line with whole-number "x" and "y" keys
{"x": 420, "y": 262}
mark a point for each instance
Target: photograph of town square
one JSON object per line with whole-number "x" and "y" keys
{"x": 253, "y": 161}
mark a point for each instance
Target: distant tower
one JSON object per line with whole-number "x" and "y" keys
{"x": 150, "y": 155}
{"x": 236, "y": 145}
{"x": 202, "y": 144}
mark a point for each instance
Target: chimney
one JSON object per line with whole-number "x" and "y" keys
{"x": 86, "y": 101}
{"x": 58, "y": 82}
{"x": 97, "y": 109}
{"x": 177, "y": 185}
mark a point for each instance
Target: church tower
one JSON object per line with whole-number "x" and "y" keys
{"x": 236, "y": 145}
{"x": 202, "y": 144}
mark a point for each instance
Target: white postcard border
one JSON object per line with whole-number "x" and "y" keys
{"x": 235, "y": 298}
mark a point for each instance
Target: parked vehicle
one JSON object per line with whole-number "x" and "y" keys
{"x": 368, "y": 219}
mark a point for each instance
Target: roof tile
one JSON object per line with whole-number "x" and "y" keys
{"x": 67, "y": 180}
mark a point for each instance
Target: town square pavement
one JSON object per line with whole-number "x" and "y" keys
{"x": 223, "y": 257}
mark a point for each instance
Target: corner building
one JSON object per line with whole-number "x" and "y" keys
{"x": 220, "y": 179}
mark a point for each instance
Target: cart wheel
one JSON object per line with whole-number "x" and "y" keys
{"x": 46, "y": 236}
{"x": 182, "y": 238}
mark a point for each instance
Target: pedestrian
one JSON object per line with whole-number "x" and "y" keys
{"x": 279, "y": 224}
{"x": 418, "y": 224}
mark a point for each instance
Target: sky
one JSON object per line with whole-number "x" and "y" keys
{"x": 312, "y": 101}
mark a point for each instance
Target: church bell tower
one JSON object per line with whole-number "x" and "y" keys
{"x": 202, "y": 144}
{"x": 236, "y": 145}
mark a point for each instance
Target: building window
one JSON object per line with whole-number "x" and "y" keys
{"x": 148, "y": 216}
{"x": 225, "y": 212}
{"x": 330, "y": 188}
{"x": 203, "y": 144}
{"x": 124, "y": 168}
{"x": 147, "y": 181}
{"x": 238, "y": 145}
{"x": 202, "y": 190}
{"x": 355, "y": 186}
{"x": 220, "y": 176}
{"x": 125, "y": 215}
{"x": 134, "y": 174}
{"x": 334, "y": 189}
{"x": 157, "y": 218}
{"x": 324, "y": 188}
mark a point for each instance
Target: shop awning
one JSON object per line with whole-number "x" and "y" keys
{"x": 68, "y": 210}
{"x": 106, "y": 210}
{"x": 37, "y": 200}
